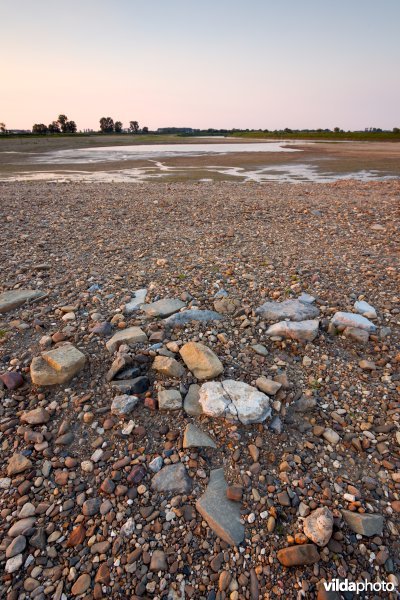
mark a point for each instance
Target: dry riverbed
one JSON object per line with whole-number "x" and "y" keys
{"x": 105, "y": 492}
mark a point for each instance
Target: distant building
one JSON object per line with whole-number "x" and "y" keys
{"x": 19, "y": 131}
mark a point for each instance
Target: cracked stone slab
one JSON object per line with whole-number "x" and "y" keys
{"x": 173, "y": 479}
{"x": 302, "y": 331}
{"x": 295, "y": 310}
{"x": 57, "y": 366}
{"x": 346, "y": 319}
{"x": 234, "y": 400}
{"x": 15, "y": 298}
{"x": 187, "y": 316}
{"x": 221, "y": 514}
{"x": 364, "y": 524}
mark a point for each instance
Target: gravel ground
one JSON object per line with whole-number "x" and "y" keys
{"x": 81, "y": 476}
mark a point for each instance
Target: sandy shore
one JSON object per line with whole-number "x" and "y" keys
{"x": 97, "y": 525}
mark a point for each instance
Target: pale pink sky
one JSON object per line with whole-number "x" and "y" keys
{"x": 225, "y": 63}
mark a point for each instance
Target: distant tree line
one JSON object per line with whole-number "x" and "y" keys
{"x": 107, "y": 125}
{"x": 62, "y": 125}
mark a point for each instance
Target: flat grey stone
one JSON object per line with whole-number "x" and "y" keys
{"x": 268, "y": 386}
{"x": 306, "y": 298}
{"x": 221, "y": 514}
{"x": 15, "y": 298}
{"x": 356, "y": 334}
{"x": 295, "y": 310}
{"x": 124, "y": 404}
{"x": 183, "y": 318}
{"x": 235, "y": 401}
{"x": 260, "y": 349}
{"x": 363, "y": 308}
{"x": 346, "y": 319}
{"x": 173, "y": 479}
{"x": 302, "y": 331}
{"x": 194, "y": 437}
{"x": 131, "y": 335}
{"x": 191, "y": 404}
{"x": 20, "y": 526}
{"x": 163, "y": 308}
{"x": 364, "y": 524}
{"x": 169, "y": 400}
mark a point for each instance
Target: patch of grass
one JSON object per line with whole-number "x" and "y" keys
{"x": 181, "y": 276}
{"x": 362, "y": 136}
{"x": 3, "y": 333}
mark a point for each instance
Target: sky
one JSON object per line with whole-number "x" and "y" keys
{"x": 201, "y": 63}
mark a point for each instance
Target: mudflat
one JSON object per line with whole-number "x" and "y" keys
{"x": 96, "y": 484}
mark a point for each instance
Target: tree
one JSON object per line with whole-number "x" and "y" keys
{"x": 70, "y": 127}
{"x": 39, "y": 128}
{"x": 3, "y": 128}
{"x": 106, "y": 125}
{"x": 395, "y": 129}
{"x": 134, "y": 126}
{"x": 145, "y": 130}
{"x": 54, "y": 127}
{"x": 62, "y": 119}
{"x": 117, "y": 126}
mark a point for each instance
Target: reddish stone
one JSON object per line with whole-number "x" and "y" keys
{"x": 77, "y": 536}
{"x": 103, "y": 574}
{"x": 12, "y": 380}
{"x": 61, "y": 477}
{"x": 58, "y": 337}
{"x": 306, "y": 554}
{"x": 137, "y": 474}
{"x": 234, "y": 492}
{"x": 150, "y": 403}
{"x": 139, "y": 432}
{"x": 108, "y": 486}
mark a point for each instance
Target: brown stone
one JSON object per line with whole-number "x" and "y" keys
{"x": 81, "y": 584}
{"x": 76, "y": 536}
{"x": 306, "y": 554}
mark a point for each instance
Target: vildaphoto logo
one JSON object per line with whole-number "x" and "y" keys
{"x": 344, "y": 585}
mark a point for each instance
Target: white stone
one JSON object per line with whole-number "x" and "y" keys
{"x": 318, "y": 526}
{"x": 14, "y": 564}
{"x": 346, "y": 319}
{"x": 302, "y": 331}
{"x": 124, "y": 404}
{"x": 295, "y": 310}
{"x": 331, "y": 436}
{"x": 138, "y": 298}
{"x": 234, "y": 400}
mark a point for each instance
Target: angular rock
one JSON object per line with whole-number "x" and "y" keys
{"x": 163, "y": 308}
{"x": 173, "y": 479}
{"x": 12, "y": 380}
{"x": 91, "y": 507}
{"x": 201, "y": 361}
{"x": 138, "y": 299}
{"x": 357, "y": 335}
{"x": 131, "y": 335}
{"x": 294, "y": 310}
{"x": 169, "y": 400}
{"x": 221, "y": 514}
{"x": 121, "y": 362}
{"x": 57, "y": 366}
{"x": 225, "y": 306}
{"x": 318, "y": 526}
{"x": 363, "y": 523}
{"x": 158, "y": 561}
{"x": 102, "y": 329}
{"x": 18, "y": 463}
{"x": 305, "y": 554}
{"x": 302, "y": 331}
{"x": 365, "y": 309}
{"x": 15, "y": 298}
{"x": 123, "y": 405}
{"x": 187, "y": 316}
{"x": 260, "y": 349}
{"x": 76, "y": 536}
{"x": 193, "y": 437}
{"x": 168, "y": 366}
{"x": 215, "y": 402}
{"x": 139, "y": 385}
{"x": 268, "y": 386}
{"x": 191, "y": 403}
{"x": 346, "y": 319}
{"x": 37, "y": 416}
{"x": 306, "y": 298}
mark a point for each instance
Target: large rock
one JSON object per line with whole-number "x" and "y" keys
{"x": 293, "y": 556}
{"x": 346, "y": 319}
{"x": 168, "y": 366}
{"x": 131, "y": 335}
{"x": 169, "y": 400}
{"x": 318, "y": 526}
{"x": 163, "y": 308}
{"x": 57, "y": 366}
{"x": 191, "y": 403}
{"x": 18, "y": 463}
{"x": 221, "y": 514}
{"x": 193, "y": 437}
{"x": 363, "y": 523}
{"x": 365, "y": 309}
{"x": 302, "y": 331}
{"x": 288, "y": 309}
{"x": 15, "y": 298}
{"x": 138, "y": 298}
{"x": 37, "y": 416}
{"x": 173, "y": 479}
{"x": 202, "y": 361}
{"x": 187, "y": 316}
{"x": 234, "y": 400}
